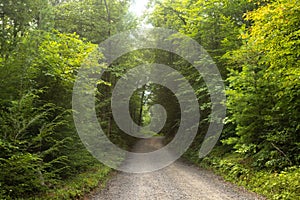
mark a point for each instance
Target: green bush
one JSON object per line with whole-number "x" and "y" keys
{"x": 19, "y": 175}
{"x": 81, "y": 184}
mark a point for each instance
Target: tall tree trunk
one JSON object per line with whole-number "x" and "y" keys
{"x": 109, "y": 78}
{"x": 141, "y": 109}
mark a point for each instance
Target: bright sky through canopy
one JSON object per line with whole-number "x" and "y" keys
{"x": 138, "y": 7}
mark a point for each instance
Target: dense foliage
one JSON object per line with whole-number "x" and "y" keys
{"x": 39, "y": 148}
{"x": 264, "y": 87}
{"x": 254, "y": 43}
{"x": 256, "y": 46}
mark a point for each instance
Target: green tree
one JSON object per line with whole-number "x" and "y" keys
{"x": 93, "y": 19}
{"x": 264, "y": 87}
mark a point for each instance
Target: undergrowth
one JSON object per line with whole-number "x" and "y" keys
{"x": 79, "y": 185}
{"x": 274, "y": 185}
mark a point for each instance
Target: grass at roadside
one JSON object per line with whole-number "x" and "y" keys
{"x": 80, "y": 185}
{"x": 273, "y": 185}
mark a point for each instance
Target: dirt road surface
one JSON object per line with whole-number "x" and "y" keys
{"x": 179, "y": 180}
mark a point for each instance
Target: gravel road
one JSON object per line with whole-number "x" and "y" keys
{"x": 179, "y": 180}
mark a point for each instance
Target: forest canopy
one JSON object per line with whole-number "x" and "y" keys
{"x": 254, "y": 43}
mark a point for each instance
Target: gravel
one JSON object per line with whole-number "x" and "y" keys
{"x": 180, "y": 180}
